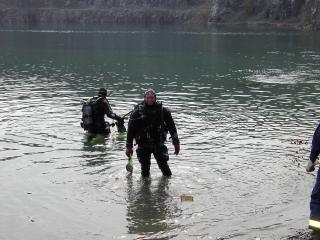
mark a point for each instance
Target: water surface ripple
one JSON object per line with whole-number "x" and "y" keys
{"x": 241, "y": 100}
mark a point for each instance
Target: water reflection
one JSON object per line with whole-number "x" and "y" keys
{"x": 97, "y": 152}
{"x": 150, "y": 208}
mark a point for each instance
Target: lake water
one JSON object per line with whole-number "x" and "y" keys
{"x": 243, "y": 102}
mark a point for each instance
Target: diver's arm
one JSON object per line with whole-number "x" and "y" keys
{"x": 167, "y": 117}
{"x": 132, "y": 128}
{"x": 110, "y": 113}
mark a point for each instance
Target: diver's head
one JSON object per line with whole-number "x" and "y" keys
{"x": 102, "y": 92}
{"x": 150, "y": 97}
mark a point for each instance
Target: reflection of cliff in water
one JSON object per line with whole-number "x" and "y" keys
{"x": 150, "y": 208}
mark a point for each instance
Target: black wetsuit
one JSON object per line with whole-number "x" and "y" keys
{"x": 148, "y": 125}
{"x": 100, "y": 108}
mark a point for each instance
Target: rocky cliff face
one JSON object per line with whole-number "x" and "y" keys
{"x": 59, "y": 13}
{"x": 311, "y": 15}
{"x": 302, "y": 14}
{"x": 224, "y": 10}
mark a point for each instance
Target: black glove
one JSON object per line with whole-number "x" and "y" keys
{"x": 121, "y": 128}
{"x": 119, "y": 119}
{"x": 129, "y": 152}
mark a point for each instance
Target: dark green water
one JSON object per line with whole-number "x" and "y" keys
{"x": 238, "y": 98}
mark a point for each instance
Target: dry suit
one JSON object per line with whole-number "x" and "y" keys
{"x": 101, "y": 107}
{"x": 149, "y": 125}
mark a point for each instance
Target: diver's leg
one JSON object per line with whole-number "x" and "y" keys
{"x": 144, "y": 157}
{"x": 161, "y": 155}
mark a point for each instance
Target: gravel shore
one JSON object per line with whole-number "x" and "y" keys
{"x": 301, "y": 235}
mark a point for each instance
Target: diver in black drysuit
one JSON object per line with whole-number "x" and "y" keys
{"x": 148, "y": 125}
{"x": 101, "y": 107}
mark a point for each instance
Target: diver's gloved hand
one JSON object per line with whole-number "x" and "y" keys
{"x": 120, "y": 127}
{"x": 310, "y": 166}
{"x": 129, "y": 152}
{"x": 176, "y": 149}
{"x": 119, "y": 119}
{"x": 176, "y": 143}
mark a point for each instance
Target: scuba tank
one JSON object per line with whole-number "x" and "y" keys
{"x": 87, "y": 114}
